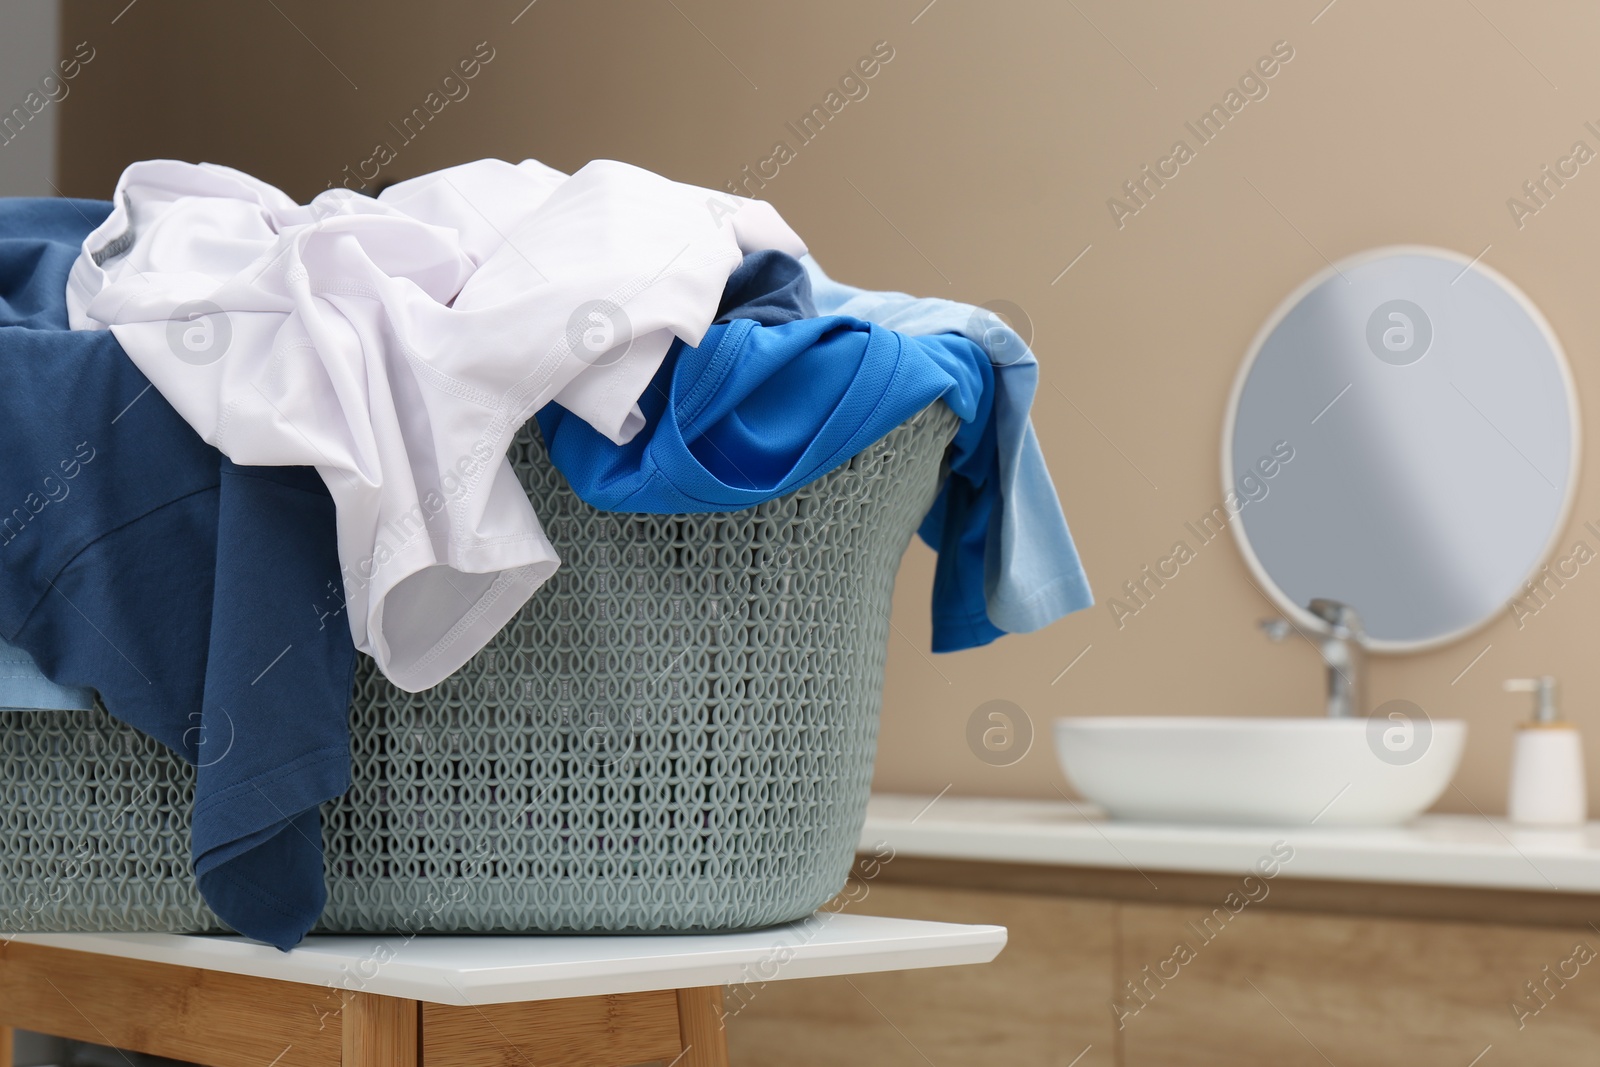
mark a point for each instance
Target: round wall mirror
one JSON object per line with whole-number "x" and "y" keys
{"x": 1403, "y": 439}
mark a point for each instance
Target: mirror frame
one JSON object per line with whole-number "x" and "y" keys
{"x": 1296, "y": 613}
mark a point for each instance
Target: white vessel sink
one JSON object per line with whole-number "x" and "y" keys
{"x": 1259, "y": 771}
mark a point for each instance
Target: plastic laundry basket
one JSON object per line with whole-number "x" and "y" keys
{"x": 677, "y": 733}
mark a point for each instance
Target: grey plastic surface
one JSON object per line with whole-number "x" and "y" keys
{"x": 677, "y": 733}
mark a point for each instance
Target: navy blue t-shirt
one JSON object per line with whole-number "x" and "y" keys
{"x": 201, "y": 599}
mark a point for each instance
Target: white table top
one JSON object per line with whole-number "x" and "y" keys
{"x": 1447, "y": 850}
{"x": 503, "y": 970}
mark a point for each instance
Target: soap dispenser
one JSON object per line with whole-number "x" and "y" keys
{"x": 1547, "y": 779}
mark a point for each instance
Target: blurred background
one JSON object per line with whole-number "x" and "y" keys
{"x": 985, "y": 160}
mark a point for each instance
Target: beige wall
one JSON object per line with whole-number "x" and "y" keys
{"x": 978, "y": 167}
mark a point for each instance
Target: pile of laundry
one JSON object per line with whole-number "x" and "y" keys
{"x": 246, "y": 438}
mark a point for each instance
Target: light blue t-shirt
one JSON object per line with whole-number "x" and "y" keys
{"x": 23, "y": 686}
{"x": 1032, "y": 573}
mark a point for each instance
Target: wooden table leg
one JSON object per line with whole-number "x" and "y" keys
{"x": 184, "y": 1013}
{"x": 611, "y": 1029}
{"x": 8, "y": 1044}
{"x": 705, "y": 1039}
{"x": 380, "y": 1031}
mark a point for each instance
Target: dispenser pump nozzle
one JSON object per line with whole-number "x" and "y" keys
{"x": 1544, "y": 688}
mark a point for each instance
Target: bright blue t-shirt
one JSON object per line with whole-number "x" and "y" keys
{"x": 775, "y": 396}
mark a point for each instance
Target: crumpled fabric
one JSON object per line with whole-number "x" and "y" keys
{"x": 397, "y": 344}
{"x": 775, "y": 396}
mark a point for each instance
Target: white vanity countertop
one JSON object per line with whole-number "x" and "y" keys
{"x": 1450, "y": 850}
{"x": 502, "y": 970}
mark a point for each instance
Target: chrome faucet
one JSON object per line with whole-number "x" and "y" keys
{"x": 1342, "y": 643}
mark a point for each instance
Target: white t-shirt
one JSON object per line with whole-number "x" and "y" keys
{"x": 397, "y": 344}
